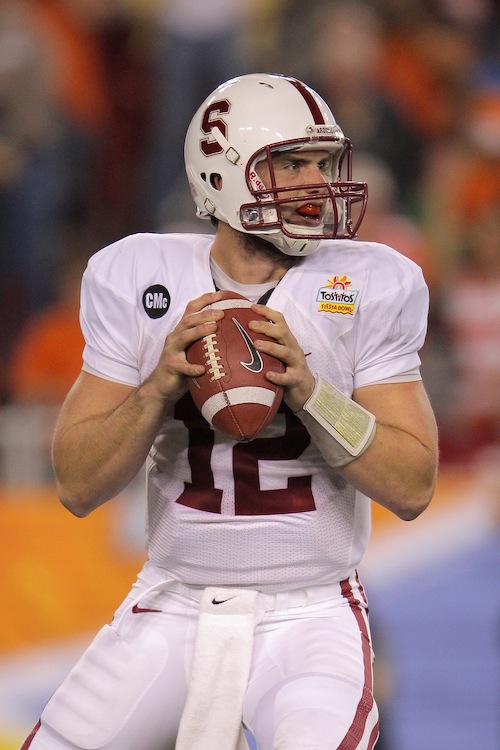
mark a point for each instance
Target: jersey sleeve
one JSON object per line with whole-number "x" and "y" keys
{"x": 392, "y": 327}
{"x": 109, "y": 323}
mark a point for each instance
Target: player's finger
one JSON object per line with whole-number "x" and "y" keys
{"x": 204, "y": 300}
{"x": 268, "y": 313}
{"x": 198, "y": 313}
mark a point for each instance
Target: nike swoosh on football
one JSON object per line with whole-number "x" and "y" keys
{"x": 137, "y": 610}
{"x": 256, "y": 364}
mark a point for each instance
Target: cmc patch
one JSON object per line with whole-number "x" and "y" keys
{"x": 337, "y": 296}
{"x": 156, "y": 300}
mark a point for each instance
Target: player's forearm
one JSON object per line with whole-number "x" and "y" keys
{"x": 384, "y": 442}
{"x": 396, "y": 470}
{"x": 94, "y": 459}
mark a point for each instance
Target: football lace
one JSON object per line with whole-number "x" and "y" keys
{"x": 212, "y": 358}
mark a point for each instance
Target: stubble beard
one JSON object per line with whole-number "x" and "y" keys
{"x": 255, "y": 247}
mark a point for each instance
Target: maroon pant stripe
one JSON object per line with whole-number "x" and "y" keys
{"x": 365, "y": 705}
{"x": 29, "y": 739}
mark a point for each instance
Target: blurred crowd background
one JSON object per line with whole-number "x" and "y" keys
{"x": 95, "y": 98}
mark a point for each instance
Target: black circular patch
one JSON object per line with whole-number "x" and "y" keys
{"x": 156, "y": 301}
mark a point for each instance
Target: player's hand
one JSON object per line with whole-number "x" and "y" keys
{"x": 297, "y": 379}
{"x": 173, "y": 369}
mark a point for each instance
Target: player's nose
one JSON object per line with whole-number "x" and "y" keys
{"x": 315, "y": 175}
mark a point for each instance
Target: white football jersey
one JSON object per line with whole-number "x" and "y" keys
{"x": 268, "y": 514}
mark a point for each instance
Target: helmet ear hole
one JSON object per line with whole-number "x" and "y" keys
{"x": 216, "y": 181}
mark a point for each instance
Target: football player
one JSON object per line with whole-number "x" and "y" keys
{"x": 249, "y": 614}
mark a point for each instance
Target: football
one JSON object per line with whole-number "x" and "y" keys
{"x": 233, "y": 394}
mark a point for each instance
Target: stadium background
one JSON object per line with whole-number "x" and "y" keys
{"x": 94, "y": 99}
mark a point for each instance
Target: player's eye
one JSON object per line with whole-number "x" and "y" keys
{"x": 325, "y": 166}
{"x": 291, "y": 165}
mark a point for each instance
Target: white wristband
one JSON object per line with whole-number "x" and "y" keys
{"x": 352, "y": 426}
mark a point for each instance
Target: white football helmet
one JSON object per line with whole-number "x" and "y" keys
{"x": 248, "y": 119}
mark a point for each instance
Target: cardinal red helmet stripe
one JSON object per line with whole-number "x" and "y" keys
{"x": 310, "y": 101}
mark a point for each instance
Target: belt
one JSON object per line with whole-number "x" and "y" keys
{"x": 278, "y": 601}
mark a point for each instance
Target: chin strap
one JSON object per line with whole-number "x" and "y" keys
{"x": 295, "y": 248}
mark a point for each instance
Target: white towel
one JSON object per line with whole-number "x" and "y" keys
{"x": 212, "y": 718}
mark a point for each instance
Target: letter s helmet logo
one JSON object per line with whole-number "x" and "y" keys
{"x": 212, "y": 119}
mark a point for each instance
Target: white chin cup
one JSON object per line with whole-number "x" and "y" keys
{"x": 290, "y": 246}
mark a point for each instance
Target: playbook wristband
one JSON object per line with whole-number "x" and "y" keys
{"x": 352, "y": 426}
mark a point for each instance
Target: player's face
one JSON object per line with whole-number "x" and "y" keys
{"x": 300, "y": 169}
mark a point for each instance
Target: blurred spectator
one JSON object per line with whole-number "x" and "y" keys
{"x": 47, "y": 356}
{"x": 345, "y": 62}
{"x": 278, "y": 29}
{"x": 30, "y": 170}
{"x": 71, "y": 33}
{"x": 126, "y": 50}
{"x": 63, "y": 158}
{"x": 480, "y": 20}
{"x": 460, "y": 197}
{"x": 462, "y": 175}
{"x": 479, "y": 182}
{"x": 384, "y": 220}
{"x": 101, "y": 81}
{"x": 470, "y": 309}
{"x": 426, "y": 66}
{"x": 198, "y": 47}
